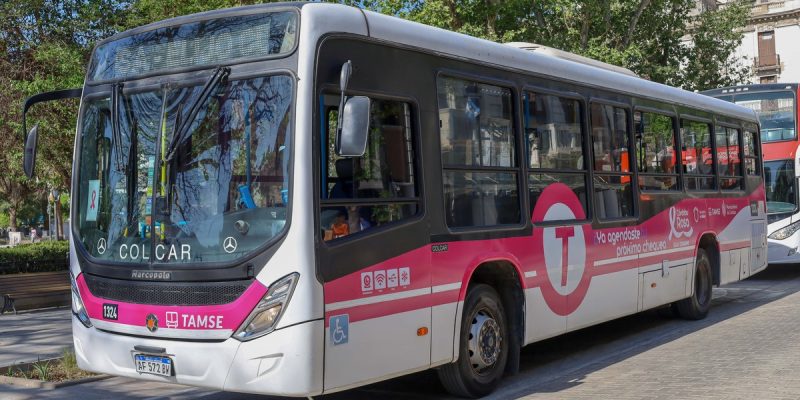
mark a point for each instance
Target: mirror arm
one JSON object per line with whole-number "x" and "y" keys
{"x": 344, "y": 80}
{"x": 43, "y": 97}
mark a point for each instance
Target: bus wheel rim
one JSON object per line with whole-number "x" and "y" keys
{"x": 485, "y": 341}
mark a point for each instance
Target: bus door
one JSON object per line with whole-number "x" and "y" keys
{"x": 371, "y": 250}
{"x": 758, "y": 212}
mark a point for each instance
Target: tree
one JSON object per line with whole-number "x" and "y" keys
{"x": 46, "y": 46}
{"x": 647, "y": 36}
{"x": 712, "y": 62}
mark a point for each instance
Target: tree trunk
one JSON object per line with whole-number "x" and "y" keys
{"x": 540, "y": 19}
{"x": 59, "y": 226}
{"x": 12, "y": 218}
{"x": 455, "y": 20}
{"x": 491, "y": 19}
{"x": 632, "y": 25}
{"x": 585, "y": 30}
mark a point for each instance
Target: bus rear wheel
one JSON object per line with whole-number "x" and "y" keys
{"x": 483, "y": 346}
{"x": 696, "y": 307}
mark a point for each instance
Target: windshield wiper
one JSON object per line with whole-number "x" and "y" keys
{"x": 181, "y": 131}
{"x": 116, "y": 137}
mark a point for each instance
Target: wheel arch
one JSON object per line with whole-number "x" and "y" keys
{"x": 504, "y": 275}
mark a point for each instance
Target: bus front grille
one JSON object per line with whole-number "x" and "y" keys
{"x": 166, "y": 293}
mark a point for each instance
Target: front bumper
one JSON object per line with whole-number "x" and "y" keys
{"x": 286, "y": 362}
{"x": 784, "y": 251}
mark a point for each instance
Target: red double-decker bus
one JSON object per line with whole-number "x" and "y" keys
{"x": 776, "y": 106}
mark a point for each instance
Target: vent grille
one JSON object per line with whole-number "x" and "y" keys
{"x": 166, "y": 293}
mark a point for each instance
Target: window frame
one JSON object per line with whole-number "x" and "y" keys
{"x": 416, "y": 138}
{"x": 713, "y": 142}
{"x": 740, "y": 137}
{"x": 754, "y": 129}
{"x": 676, "y": 140}
{"x": 515, "y": 93}
{"x": 586, "y": 172}
{"x": 633, "y": 174}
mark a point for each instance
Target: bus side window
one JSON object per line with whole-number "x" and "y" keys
{"x": 479, "y": 166}
{"x": 696, "y": 155}
{"x": 613, "y": 196}
{"x": 751, "y": 153}
{"x": 655, "y": 151}
{"x": 728, "y": 162}
{"x": 554, "y": 145}
{"x": 361, "y": 193}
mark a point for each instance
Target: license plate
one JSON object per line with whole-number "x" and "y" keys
{"x": 155, "y": 365}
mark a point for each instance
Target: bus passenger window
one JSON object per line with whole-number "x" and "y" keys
{"x": 554, "y": 145}
{"x": 751, "y": 153}
{"x": 728, "y": 161}
{"x": 480, "y": 170}
{"x": 696, "y": 155}
{"x": 655, "y": 151}
{"x": 361, "y": 193}
{"x": 613, "y": 196}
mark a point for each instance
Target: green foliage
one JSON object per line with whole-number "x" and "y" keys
{"x": 46, "y": 46}
{"x": 646, "y": 36}
{"x": 716, "y": 37}
{"x": 69, "y": 363}
{"x": 42, "y": 369}
{"x": 38, "y": 257}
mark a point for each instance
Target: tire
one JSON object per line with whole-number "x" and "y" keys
{"x": 479, "y": 369}
{"x": 696, "y": 307}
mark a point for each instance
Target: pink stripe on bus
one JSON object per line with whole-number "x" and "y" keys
{"x": 212, "y": 317}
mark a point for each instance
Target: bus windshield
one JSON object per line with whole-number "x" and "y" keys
{"x": 224, "y": 191}
{"x": 780, "y": 182}
{"x": 776, "y": 113}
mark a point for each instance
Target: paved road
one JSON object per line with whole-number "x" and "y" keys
{"x": 748, "y": 348}
{"x": 28, "y": 335}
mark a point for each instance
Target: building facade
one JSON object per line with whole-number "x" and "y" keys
{"x": 771, "y": 41}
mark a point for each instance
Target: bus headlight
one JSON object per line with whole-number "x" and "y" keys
{"x": 77, "y": 304}
{"x": 268, "y": 311}
{"x": 785, "y": 232}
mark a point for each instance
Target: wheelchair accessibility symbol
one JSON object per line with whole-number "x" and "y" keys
{"x": 339, "y": 325}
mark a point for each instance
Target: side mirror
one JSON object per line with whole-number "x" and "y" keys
{"x": 29, "y": 160}
{"x": 355, "y": 127}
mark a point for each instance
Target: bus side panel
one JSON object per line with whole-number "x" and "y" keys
{"x": 373, "y": 319}
{"x": 541, "y": 322}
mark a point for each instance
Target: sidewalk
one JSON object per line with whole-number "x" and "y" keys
{"x": 31, "y": 335}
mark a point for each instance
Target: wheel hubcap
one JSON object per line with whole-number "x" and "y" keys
{"x": 485, "y": 341}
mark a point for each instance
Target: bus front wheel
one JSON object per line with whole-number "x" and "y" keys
{"x": 483, "y": 348}
{"x": 696, "y": 307}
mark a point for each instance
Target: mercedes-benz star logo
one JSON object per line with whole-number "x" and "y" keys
{"x": 229, "y": 244}
{"x": 101, "y": 246}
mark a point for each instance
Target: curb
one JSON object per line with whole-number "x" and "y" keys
{"x": 37, "y": 384}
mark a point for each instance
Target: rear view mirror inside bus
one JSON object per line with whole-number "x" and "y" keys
{"x": 29, "y": 160}
{"x": 352, "y": 139}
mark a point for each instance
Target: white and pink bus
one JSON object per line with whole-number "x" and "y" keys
{"x": 298, "y": 199}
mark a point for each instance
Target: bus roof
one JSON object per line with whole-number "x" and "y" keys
{"x": 448, "y": 43}
{"x": 463, "y": 46}
{"x": 757, "y": 87}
